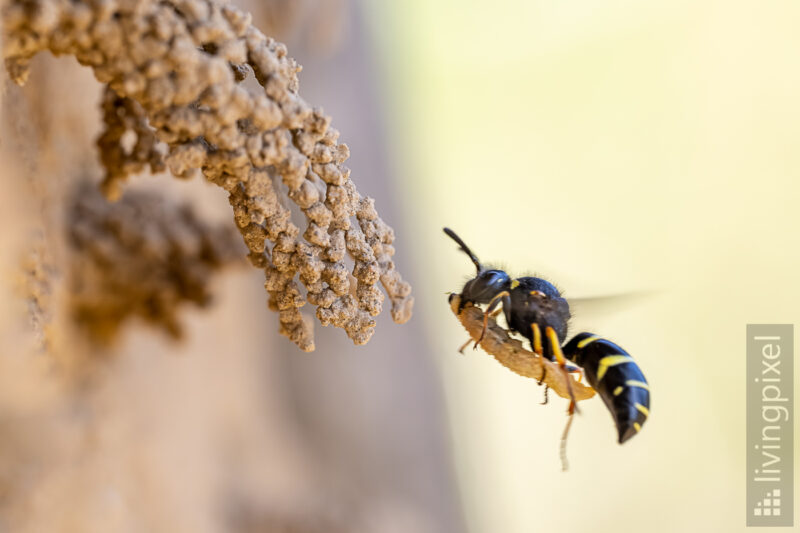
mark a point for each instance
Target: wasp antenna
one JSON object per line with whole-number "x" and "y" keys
{"x": 464, "y": 248}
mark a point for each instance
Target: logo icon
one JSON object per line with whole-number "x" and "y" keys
{"x": 770, "y": 505}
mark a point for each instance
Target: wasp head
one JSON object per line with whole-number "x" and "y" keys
{"x": 486, "y": 284}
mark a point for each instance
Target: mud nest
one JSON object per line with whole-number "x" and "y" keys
{"x": 143, "y": 257}
{"x": 176, "y": 100}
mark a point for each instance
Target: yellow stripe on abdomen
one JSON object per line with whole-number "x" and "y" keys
{"x": 609, "y": 361}
{"x": 635, "y": 383}
{"x": 588, "y": 340}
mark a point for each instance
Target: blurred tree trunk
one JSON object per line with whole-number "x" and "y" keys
{"x": 232, "y": 428}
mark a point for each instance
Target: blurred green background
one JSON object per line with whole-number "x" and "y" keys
{"x": 611, "y": 147}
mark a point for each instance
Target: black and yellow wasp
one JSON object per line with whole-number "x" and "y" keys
{"x": 534, "y": 308}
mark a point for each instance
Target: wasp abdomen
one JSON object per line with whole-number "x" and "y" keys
{"x": 616, "y": 377}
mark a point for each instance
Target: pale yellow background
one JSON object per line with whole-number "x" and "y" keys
{"x": 611, "y": 146}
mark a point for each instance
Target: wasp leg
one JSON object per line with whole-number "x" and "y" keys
{"x": 562, "y": 364}
{"x": 577, "y": 371}
{"x": 537, "y": 339}
{"x": 538, "y": 350}
{"x": 461, "y": 350}
{"x": 502, "y": 297}
{"x": 563, "y": 448}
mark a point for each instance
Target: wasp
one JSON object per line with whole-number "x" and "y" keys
{"x": 534, "y": 308}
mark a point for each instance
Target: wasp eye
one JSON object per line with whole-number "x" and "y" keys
{"x": 494, "y": 277}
